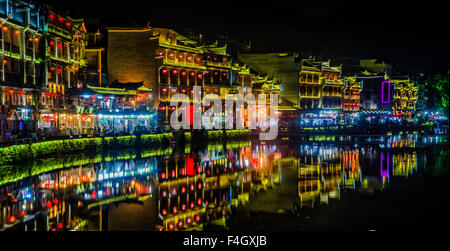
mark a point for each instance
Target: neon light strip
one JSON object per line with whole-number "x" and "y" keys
{"x": 389, "y": 92}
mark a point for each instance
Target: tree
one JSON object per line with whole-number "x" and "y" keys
{"x": 437, "y": 88}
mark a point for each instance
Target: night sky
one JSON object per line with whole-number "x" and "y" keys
{"x": 411, "y": 33}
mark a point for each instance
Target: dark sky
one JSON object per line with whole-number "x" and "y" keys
{"x": 412, "y": 33}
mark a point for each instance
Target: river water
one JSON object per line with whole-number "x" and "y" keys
{"x": 394, "y": 183}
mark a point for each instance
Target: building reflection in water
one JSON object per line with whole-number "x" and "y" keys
{"x": 195, "y": 189}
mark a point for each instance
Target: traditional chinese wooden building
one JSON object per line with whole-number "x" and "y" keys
{"x": 21, "y": 31}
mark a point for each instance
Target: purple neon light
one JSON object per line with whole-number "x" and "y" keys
{"x": 384, "y": 172}
{"x": 389, "y": 92}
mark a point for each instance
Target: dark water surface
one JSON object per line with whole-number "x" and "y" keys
{"x": 394, "y": 183}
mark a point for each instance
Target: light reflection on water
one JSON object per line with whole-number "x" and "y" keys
{"x": 196, "y": 189}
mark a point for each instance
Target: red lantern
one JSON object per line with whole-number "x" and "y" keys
{"x": 164, "y": 212}
{"x": 52, "y": 68}
{"x": 164, "y": 193}
{"x": 51, "y": 16}
{"x": 60, "y": 226}
{"x": 174, "y": 210}
{"x": 68, "y": 24}
{"x": 60, "y": 19}
{"x": 51, "y": 43}
{"x": 49, "y": 204}
{"x": 164, "y": 71}
{"x": 55, "y": 201}
{"x": 22, "y": 213}
{"x": 12, "y": 219}
{"x": 180, "y": 223}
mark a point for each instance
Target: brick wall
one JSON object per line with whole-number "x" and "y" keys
{"x": 131, "y": 57}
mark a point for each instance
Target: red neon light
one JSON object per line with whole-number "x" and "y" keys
{"x": 189, "y": 165}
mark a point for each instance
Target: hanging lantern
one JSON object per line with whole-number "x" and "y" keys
{"x": 12, "y": 219}
{"x": 17, "y": 32}
{"x": 5, "y": 28}
{"x": 52, "y": 43}
{"x": 49, "y": 204}
{"x": 60, "y": 19}
{"x": 22, "y": 213}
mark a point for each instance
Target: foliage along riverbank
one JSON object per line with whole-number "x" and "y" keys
{"x": 17, "y": 153}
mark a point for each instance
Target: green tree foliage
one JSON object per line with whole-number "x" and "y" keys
{"x": 437, "y": 89}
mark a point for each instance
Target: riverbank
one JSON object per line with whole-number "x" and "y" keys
{"x": 16, "y": 153}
